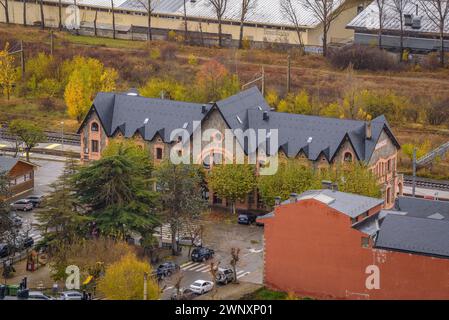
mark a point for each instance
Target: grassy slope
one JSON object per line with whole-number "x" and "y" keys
{"x": 132, "y": 59}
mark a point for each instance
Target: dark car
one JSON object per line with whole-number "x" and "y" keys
{"x": 35, "y": 200}
{"x": 167, "y": 269}
{"x": 246, "y": 218}
{"x": 202, "y": 254}
{"x": 24, "y": 242}
{"x": 184, "y": 294}
{"x": 15, "y": 219}
{"x": 4, "y": 250}
{"x": 225, "y": 275}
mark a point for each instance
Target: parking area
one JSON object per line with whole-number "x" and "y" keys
{"x": 222, "y": 237}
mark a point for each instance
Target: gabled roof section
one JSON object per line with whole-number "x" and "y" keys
{"x": 416, "y": 235}
{"x": 7, "y": 163}
{"x": 423, "y": 208}
{"x": 349, "y": 204}
{"x": 378, "y": 125}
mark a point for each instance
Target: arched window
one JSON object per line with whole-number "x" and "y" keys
{"x": 347, "y": 157}
{"x": 94, "y": 126}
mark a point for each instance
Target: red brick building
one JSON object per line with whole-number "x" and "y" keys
{"x": 334, "y": 245}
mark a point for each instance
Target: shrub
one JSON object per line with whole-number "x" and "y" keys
{"x": 155, "y": 53}
{"x": 193, "y": 59}
{"x": 362, "y": 58}
{"x": 168, "y": 51}
{"x": 172, "y": 35}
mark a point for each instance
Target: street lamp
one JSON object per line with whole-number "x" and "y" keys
{"x": 62, "y": 137}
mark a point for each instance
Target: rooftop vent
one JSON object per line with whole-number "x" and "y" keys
{"x": 203, "y": 109}
{"x": 185, "y": 125}
{"x": 368, "y": 130}
{"x": 293, "y": 197}
{"x": 416, "y": 22}
{"x": 277, "y": 201}
{"x": 326, "y": 184}
{"x": 266, "y": 116}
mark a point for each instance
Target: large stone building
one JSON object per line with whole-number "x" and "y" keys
{"x": 334, "y": 245}
{"x": 318, "y": 141}
{"x": 265, "y": 23}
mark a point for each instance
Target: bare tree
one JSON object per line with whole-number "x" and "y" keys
{"x": 247, "y": 6}
{"x": 41, "y": 5}
{"x": 326, "y": 11}
{"x": 186, "y": 29}
{"x": 113, "y": 19}
{"x": 399, "y": 6}
{"x": 60, "y": 14}
{"x": 235, "y": 258}
{"x": 381, "y": 16}
{"x": 24, "y": 12}
{"x": 437, "y": 11}
{"x": 4, "y": 3}
{"x": 149, "y": 6}
{"x": 95, "y": 22}
{"x": 220, "y": 9}
{"x": 291, "y": 13}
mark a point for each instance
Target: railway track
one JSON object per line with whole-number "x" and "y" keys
{"x": 425, "y": 183}
{"x": 55, "y": 137}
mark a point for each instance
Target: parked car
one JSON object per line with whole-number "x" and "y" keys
{"x": 35, "y": 200}
{"x": 225, "y": 275}
{"x": 202, "y": 254}
{"x": 38, "y": 295}
{"x": 247, "y": 218}
{"x": 201, "y": 286}
{"x": 16, "y": 220}
{"x": 167, "y": 269}
{"x": 184, "y": 294}
{"x": 23, "y": 204}
{"x": 23, "y": 242}
{"x": 4, "y": 250}
{"x": 71, "y": 295}
{"x": 189, "y": 241}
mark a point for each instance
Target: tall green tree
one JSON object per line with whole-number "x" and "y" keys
{"x": 179, "y": 187}
{"x": 61, "y": 219}
{"x": 118, "y": 190}
{"x": 232, "y": 181}
{"x": 291, "y": 176}
{"x": 28, "y": 132}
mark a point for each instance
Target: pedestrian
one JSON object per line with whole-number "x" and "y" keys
{"x": 55, "y": 288}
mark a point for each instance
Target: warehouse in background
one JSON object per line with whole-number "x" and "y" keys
{"x": 265, "y": 24}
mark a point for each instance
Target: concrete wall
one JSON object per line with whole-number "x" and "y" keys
{"x": 259, "y": 34}
{"x": 312, "y": 250}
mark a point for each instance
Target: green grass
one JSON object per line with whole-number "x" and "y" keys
{"x": 104, "y": 42}
{"x": 266, "y": 294}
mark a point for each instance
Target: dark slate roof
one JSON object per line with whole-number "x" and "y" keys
{"x": 7, "y": 163}
{"x": 244, "y": 110}
{"x": 423, "y": 208}
{"x": 415, "y": 235}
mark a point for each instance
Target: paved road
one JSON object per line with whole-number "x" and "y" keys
{"x": 46, "y": 145}
{"x": 443, "y": 195}
{"x": 221, "y": 237}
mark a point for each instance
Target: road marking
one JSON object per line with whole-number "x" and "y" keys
{"x": 168, "y": 288}
{"x": 196, "y": 268}
{"x": 187, "y": 264}
{"x": 52, "y": 146}
{"x": 240, "y": 272}
{"x": 243, "y": 275}
{"x": 193, "y": 265}
{"x": 3, "y": 145}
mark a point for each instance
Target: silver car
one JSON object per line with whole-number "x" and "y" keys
{"x": 71, "y": 295}
{"x": 38, "y": 295}
{"x": 23, "y": 204}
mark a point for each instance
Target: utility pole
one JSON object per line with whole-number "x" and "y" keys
{"x": 62, "y": 137}
{"x": 263, "y": 81}
{"x": 261, "y": 78}
{"x": 145, "y": 288}
{"x": 22, "y": 58}
{"x": 51, "y": 43}
{"x": 289, "y": 69}
{"x": 414, "y": 172}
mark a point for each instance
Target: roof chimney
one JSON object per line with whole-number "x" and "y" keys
{"x": 368, "y": 130}
{"x": 277, "y": 201}
{"x": 203, "y": 109}
{"x": 334, "y": 186}
{"x": 293, "y": 197}
{"x": 326, "y": 184}
{"x": 266, "y": 116}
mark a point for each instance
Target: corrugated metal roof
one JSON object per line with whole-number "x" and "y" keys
{"x": 369, "y": 19}
{"x": 265, "y": 11}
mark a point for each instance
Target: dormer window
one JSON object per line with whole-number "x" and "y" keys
{"x": 94, "y": 127}
{"x": 347, "y": 157}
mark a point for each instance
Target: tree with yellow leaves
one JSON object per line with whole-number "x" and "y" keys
{"x": 124, "y": 280}
{"x": 8, "y": 75}
{"x": 77, "y": 96}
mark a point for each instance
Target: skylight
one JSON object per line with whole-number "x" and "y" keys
{"x": 239, "y": 120}
{"x": 146, "y": 120}
{"x": 309, "y": 140}
{"x": 185, "y": 125}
